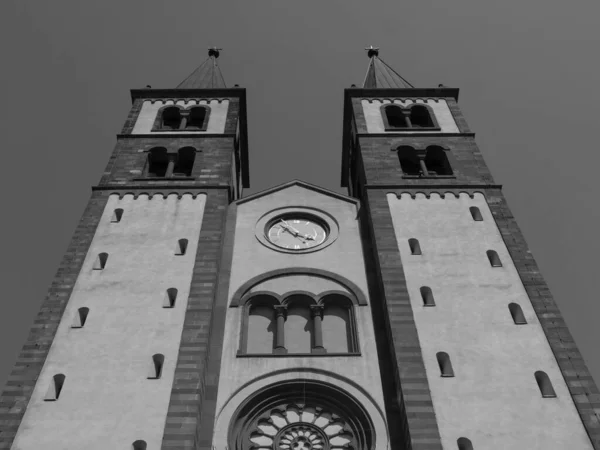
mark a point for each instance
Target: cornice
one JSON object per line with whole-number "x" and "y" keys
{"x": 401, "y": 134}
{"x": 443, "y": 92}
{"x": 186, "y": 93}
{"x": 163, "y": 191}
{"x": 441, "y": 192}
{"x": 167, "y": 135}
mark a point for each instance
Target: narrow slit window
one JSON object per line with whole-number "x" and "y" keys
{"x": 181, "y": 247}
{"x": 80, "y": 317}
{"x": 517, "y": 314}
{"x": 55, "y": 388}
{"x": 100, "y": 262}
{"x": 170, "y": 297}
{"x": 464, "y": 444}
{"x": 415, "y": 247}
{"x": 544, "y": 384}
{"x": 156, "y": 366}
{"x": 139, "y": 445}
{"x": 427, "y": 296}
{"x": 494, "y": 258}
{"x": 445, "y": 365}
{"x": 116, "y": 216}
{"x": 476, "y": 214}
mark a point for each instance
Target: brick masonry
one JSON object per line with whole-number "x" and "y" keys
{"x": 194, "y": 390}
{"x": 21, "y": 381}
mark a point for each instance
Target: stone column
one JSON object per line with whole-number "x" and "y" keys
{"x": 171, "y": 165}
{"x": 280, "y": 315}
{"x": 316, "y": 312}
{"x": 423, "y": 166}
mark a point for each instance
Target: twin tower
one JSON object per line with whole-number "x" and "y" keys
{"x": 408, "y": 315}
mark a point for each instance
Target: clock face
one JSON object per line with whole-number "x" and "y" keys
{"x": 295, "y": 232}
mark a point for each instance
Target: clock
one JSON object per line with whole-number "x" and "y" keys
{"x": 296, "y": 232}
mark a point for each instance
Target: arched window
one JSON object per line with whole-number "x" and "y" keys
{"x": 445, "y": 365}
{"x": 395, "y": 117}
{"x": 337, "y": 325}
{"x": 80, "y": 317}
{"x": 464, "y": 444}
{"x": 196, "y": 118}
{"x": 170, "y": 297}
{"x": 139, "y": 445}
{"x": 420, "y": 117}
{"x": 427, "y": 296}
{"x": 517, "y": 314}
{"x": 100, "y": 262}
{"x": 55, "y": 388}
{"x": 156, "y": 366}
{"x": 117, "y": 214}
{"x": 437, "y": 161}
{"x": 298, "y": 327}
{"x": 476, "y": 214}
{"x": 171, "y": 118}
{"x": 494, "y": 258}
{"x": 409, "y": 161}
{"x": 185, "y": 161}
{"x": 544, "y": 384}
{"x": 415, "y": 247}
{"x": 261, "y": 325}
{"x": 158, "y": 162}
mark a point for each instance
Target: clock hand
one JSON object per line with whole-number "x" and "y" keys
{"x": 288, "y": 225}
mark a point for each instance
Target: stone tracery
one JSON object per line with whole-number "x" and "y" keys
{"x": 301, "y": 415}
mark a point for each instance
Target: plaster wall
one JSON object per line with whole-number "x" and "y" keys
{"x": 374, "y": 121}
{"x": 107, "y": 400}
{"x": 149, "y": 111}
{"x": 493, "y": 399}
{"x": 250, "y": 259}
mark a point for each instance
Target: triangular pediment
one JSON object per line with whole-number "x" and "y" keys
{"x": 297, "y": 184}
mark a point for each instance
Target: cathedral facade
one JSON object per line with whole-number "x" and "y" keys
{"x": 406, "y": 315}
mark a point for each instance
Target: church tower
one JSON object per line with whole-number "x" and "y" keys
{"x": 117, "y": 355}
{"x": 408, "y": 315}
{"x": 474, "y": 352}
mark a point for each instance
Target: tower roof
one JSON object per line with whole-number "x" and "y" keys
{"x": 380, "y": 75}
{"x": 207, "y": 75}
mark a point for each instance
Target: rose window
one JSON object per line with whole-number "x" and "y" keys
{"x": 301, "y": 427}
{"x": 301, "y": 416}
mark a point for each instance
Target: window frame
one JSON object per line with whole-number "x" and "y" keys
{"x": 406, "y": 112}
{"x": 421, "y": 154}
{"x": 282, "y": 301}
{"x": 157, "y": 126}
{"x": 171, "y": 156}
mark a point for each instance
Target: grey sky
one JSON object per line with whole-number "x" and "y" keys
{"x": 527, "y": 70}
